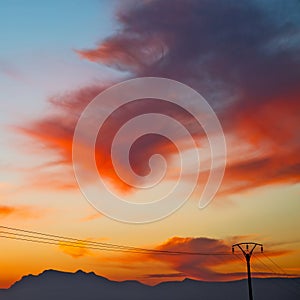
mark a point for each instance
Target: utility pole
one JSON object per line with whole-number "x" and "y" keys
{"x": 247, "y": 249}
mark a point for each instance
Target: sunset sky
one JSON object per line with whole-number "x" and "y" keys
{"x": 243, "y": 57}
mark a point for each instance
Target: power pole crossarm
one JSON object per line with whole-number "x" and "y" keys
{"x": 247, "y": 250}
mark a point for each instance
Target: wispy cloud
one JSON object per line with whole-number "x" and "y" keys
{"x": 20, "y": 212}
{"x": 91, "y": 217}
{"x": 9, "y": 70}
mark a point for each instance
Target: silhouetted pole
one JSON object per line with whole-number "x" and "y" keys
{"x": 249, "y": 276}
{"x": 247, "y": 253}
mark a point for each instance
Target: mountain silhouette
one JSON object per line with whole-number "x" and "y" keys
{"x": 58, "y": 285}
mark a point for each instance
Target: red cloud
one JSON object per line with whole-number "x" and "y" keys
{"x": 270, "y": 132}
{"x": 56, "y": 133}
{"x": 127, "y": 52}
{"x": 207, "y": 267}
{"x": 252, "y": 84}
{"x": 199, "y": 267}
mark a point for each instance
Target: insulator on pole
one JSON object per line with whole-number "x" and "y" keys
{"x": 232, "y": 249}
{"x": 261, "y": 249}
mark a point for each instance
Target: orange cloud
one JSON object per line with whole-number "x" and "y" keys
{"x": 56, "y": 133}
{"x": 80, "y": 248}
{"x": 91, "y": 217}
{"x": 76, "y": 250}
{"x": 276, "y": 159}
{"x": 25, "y": 212}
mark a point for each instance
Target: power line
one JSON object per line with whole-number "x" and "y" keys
{"x": 277, "y": 266}
{"x": 283, "y": 271}
{"x": 271, "y": 271}
{"x": 28, "y": 238}
{"x": 70, "y": 239}
{"x": 248, "y": 249}
{"x": 56, "y": 241}
{"x": 45, "y": 238}
{"x": 292, "y": 289}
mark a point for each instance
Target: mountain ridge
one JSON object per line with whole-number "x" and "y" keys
{"x": 53, "y": 284}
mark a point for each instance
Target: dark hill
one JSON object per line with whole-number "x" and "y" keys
{"x": 57, "y": 285}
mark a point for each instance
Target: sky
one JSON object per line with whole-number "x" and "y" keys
{"x": 242, "y": 57}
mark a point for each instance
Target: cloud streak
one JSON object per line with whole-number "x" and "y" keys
{"x": 22, "y": 212}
